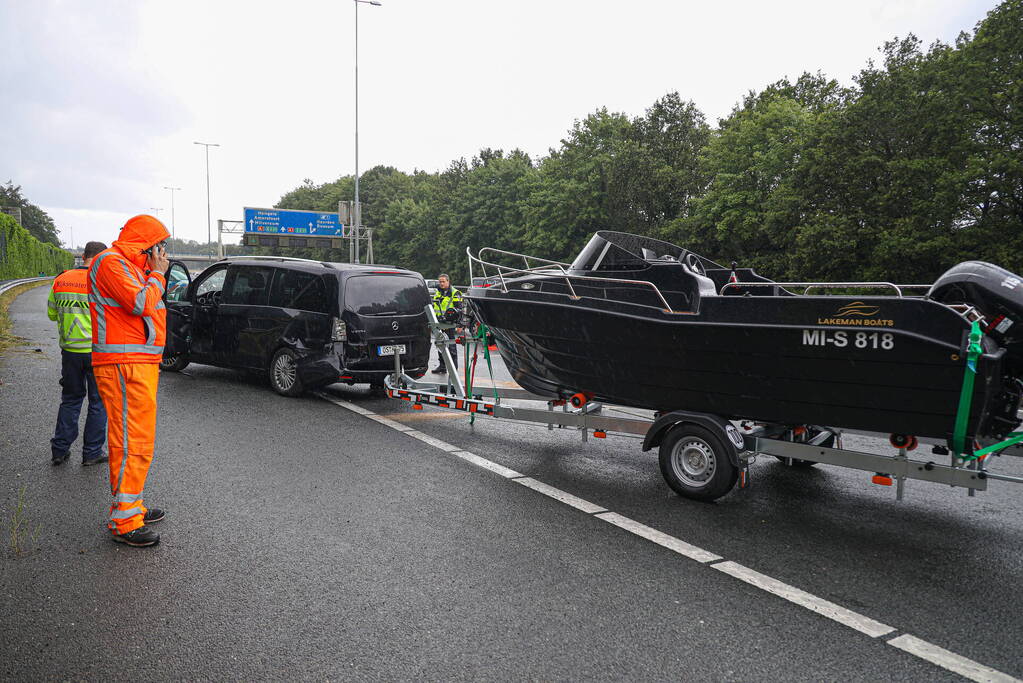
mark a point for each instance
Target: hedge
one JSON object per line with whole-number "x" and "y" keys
{"x": 22, "y": 255}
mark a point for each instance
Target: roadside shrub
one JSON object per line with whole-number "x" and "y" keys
{"x": 22, "y": 255}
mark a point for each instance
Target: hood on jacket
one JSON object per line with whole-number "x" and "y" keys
{"x": 137, "y": 235}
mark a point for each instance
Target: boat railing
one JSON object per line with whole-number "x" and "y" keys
{"x": 550, "y": 268}
{"x": 809, "y": 286}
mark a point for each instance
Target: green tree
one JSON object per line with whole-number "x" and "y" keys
{"x": 35, "y": 220}
{"x": 753, "y": 210}
{"x": 486, "y": 209}
{"x": 884, "y": 174}
{"x": 989, "y": 70}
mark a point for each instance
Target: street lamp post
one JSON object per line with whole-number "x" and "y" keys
{"x": 209, "y": 237}
{"x": 358, "y": 207}
{"x": 172, "y": 189}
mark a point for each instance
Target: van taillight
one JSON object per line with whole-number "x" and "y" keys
{"x": 340, "y": 332}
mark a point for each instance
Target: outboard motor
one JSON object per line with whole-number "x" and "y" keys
{"x": 995, "y": 292}
{"x": 998, "y": 295}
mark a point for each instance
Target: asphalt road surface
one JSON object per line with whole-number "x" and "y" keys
{"x": 348, "y": 537}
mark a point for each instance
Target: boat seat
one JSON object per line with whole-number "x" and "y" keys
{"x": 651, "y": 255}
{"x": 705, "y": 286}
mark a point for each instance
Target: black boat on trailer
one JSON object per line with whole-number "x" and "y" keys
{"x": 639, "y": 322}
{"x": 702, "y": 455}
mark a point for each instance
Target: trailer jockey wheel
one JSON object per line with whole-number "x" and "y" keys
{"x": 579, "y": 400}
{"x": 903, "y": 441}
{"x": 696, "y": 463}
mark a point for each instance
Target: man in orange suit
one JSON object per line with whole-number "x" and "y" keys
{"x": 129, "y": 323}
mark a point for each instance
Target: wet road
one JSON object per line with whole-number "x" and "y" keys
{"x": 307, "y": 540}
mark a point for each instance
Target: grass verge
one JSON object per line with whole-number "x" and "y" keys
{"x": 7, "y": 339}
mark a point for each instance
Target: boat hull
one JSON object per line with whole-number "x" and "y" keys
{"x": 783, "y": 360}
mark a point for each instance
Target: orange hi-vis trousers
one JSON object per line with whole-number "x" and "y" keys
{"x": 128, "y": 391}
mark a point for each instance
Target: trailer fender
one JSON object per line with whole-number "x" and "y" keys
{"x": 715, "y": 423}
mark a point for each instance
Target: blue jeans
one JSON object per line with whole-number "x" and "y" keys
{"x": 77, "y": 381}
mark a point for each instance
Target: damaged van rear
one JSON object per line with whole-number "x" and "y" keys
{"x": 303, "y": 324}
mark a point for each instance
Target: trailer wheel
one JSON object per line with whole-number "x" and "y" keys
{"x": 695, "y": 463}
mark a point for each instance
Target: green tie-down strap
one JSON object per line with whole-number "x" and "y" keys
{"x": 481, "y": 338}
{"x": 1014, "y": 438}
{"x": 973, "y": 352}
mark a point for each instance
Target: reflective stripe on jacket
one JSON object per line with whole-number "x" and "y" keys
{"x": 442, "y": 303}
{"x": 129, "y": 318}
{"x": 68, "y": 304}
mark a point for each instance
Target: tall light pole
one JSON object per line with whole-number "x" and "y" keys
{"x": 172, "y": 189}
{"x": 358, "y": 207}
{"x": 209, "y": 237}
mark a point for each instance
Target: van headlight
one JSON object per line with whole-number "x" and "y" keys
{"x": 340, "y": 330}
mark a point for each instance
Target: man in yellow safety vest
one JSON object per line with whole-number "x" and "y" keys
{"x": 68, "y": 305}
{"x": 446, "y": 301}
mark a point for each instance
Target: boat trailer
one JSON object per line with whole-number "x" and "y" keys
{"x": 702, "y": 456}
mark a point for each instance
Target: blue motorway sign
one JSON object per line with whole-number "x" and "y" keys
{"x": 288, "y": 222}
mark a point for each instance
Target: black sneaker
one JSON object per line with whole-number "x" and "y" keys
{"x": 86, "y": 462}
{"x": 139, "y": 538}
{"x": 60, "y": 459}
{"x": 440, "y": 370}
{"x": 153, "y": 515}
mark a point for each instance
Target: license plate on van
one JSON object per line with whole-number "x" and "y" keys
{"x": 390, "y": 349}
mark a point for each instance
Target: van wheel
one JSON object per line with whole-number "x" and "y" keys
{"x": 695, "y": 463}
{"x": 284, "y": 373}
{"x": 175, "y": 363}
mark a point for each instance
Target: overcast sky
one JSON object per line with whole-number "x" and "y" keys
{"x": 102, "y": 100}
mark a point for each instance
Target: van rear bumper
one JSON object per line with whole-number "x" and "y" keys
{"x": 328, "y": 368}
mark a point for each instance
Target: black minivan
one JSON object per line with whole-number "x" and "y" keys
{"x": 306, "y": 324}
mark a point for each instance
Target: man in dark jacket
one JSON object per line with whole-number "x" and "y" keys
{"x": 68, "y": 306}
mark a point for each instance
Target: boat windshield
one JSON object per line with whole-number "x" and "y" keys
{"x": 611, "y": 251}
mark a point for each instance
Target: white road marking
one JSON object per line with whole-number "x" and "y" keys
{"x": 345, "y": 404}
{"x": 390, "y": 423}
{"x": 559, "y": 495}
{"x": 950, "y": 660}
{"x": 436, "y": 443}
{"x": 660, "y": 538}
{"x": 858, "y": 622}
{"x": 811, "y": 602}
{"x": 488, "y": 465}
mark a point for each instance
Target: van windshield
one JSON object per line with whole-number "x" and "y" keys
{"x": 385, "y": 295}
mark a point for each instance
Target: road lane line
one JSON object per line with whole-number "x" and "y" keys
{"x": 436, "y": 443}
{"x": 397, "y": 426}
{"x": 811, "y": 602}
{"x": 950, "y": 660}
{"x": 431, "y": 416}
{"x": 488, "y": 465}
{"x": 559, "y": 495}
{"x": 345, "y": 404}
{"x": 858, "y": 622}
{"x": 660, "y": 538}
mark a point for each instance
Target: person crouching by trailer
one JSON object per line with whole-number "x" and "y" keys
{"x": 446, "y": 302}
{"x": 68, "y": 305}
{"x": 129, "y": 323}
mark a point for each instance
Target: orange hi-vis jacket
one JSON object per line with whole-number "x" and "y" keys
{"x": 129, "y": 318}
